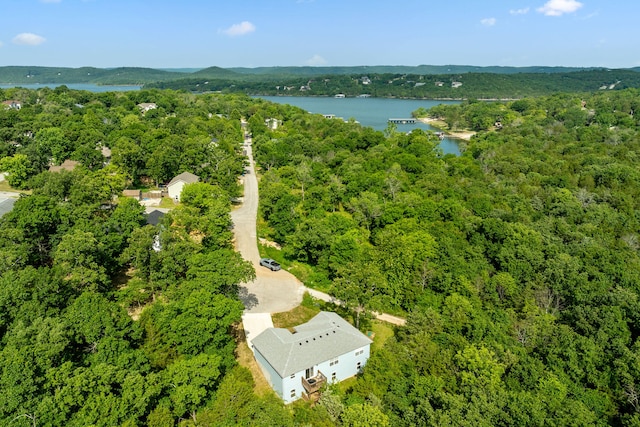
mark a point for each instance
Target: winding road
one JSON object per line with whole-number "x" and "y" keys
{"x": 271, "y": 291}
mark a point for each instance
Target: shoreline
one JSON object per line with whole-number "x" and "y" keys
{"x": 441, "y": 125}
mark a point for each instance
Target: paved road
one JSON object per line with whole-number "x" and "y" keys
{"x": 9, "y": 195}
{"x": 271, "y": 292}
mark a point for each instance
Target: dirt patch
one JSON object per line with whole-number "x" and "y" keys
{"x": 440, "y": 124}
{"x": 135, "y": 312}
{"x": 245, "y": 358}
{"x": 269, "y": 243}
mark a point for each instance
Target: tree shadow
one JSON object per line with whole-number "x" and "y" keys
{"x": 248, "y": 299}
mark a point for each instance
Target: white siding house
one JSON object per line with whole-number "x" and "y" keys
{"x": 175, "y": 186}
{"x": 325, "y": 349}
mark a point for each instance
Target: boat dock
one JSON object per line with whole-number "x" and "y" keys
{"x": 402, "y": 121}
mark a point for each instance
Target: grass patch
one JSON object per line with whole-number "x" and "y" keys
{"x": 345, "y": 386}
{"x": 4, "y": 186}
{"x": 262, "y": 228}
{"x": 245, "y": 358}
{"x": 383, "y": 331}
{"x": 167, "y": 203}
{"x": 310, "y": 277}
{"x": 299, "y": 315}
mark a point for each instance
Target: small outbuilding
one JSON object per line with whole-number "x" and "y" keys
{"x": 175, "y": 186}
{"x": 154, "y": 217}
{"x": 325, "y": 349}
{"x": 136, "y": 194}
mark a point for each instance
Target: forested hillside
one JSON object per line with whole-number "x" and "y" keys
{"x": 479, "y": 85}
{"x": 78, "y": 264}
{"x": 139, "y": 75}
{"x": 516, "y": 263}
{"x": 422, "y": 82}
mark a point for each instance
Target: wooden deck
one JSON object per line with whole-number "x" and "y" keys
{"x": 314, "y": 384}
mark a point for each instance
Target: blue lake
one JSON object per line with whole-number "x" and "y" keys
{"x": 372, "y": 112}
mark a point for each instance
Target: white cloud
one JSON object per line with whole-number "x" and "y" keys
{"x": 559, "y": 7}
{"x": 28, "y": 39}
{"x": 522, "y": 11}
{"x": 316, "y": 60}
{"x": 245, "y": 27}
{"x": 488, "y": 22}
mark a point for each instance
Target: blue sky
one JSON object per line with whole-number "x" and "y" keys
{"x": 253, "y": 33}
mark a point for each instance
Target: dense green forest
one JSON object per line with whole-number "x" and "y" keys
{"x": 516, "y": 263}
{"x": 78, "y": 264}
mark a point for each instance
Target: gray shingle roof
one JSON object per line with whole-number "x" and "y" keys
{"x": 323, "y": 338}
{"x": 154, "y": 217}
{"x": 6, "y": 205}
{"x": 186, "y": 177}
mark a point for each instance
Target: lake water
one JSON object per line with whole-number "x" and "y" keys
{"x": 372, "y": 112}
{"x": 76, "y": 86}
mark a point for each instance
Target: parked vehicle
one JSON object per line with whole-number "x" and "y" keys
{"x": 270, "y": 264}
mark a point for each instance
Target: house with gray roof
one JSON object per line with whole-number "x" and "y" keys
{"x": 175, "y": 186}
{"x": 298, "y": 363}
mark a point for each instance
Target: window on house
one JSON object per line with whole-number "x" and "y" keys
{"x": 293, "y": 393}
{"x": 359, "y": 352}
{"x": 333, "y": 362}
{"x": 293, "y": 375}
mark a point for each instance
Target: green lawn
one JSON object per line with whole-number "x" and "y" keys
{"x": 4, "y": 186}
{"x": 383, "y": 331}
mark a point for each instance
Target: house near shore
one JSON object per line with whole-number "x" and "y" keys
{"x": 326, "y": 349}
{"x": 175, "y": 186}
{"x": 12, "y": 104}
{"x": 272, "y": 123}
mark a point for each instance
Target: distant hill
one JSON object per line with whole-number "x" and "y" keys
{"x": 140, "y": 75}
{"x": 401, "y": 69}
{"x": 426, "y": 86}
{"x": 216, "y": 72}
{"x": 423, "y": 81}
{"x": 62, "y": 75}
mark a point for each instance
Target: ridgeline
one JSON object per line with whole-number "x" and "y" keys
{"x": 422, "y": 82}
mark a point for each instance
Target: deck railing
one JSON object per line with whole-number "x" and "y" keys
{"x": 313, "y": 384}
